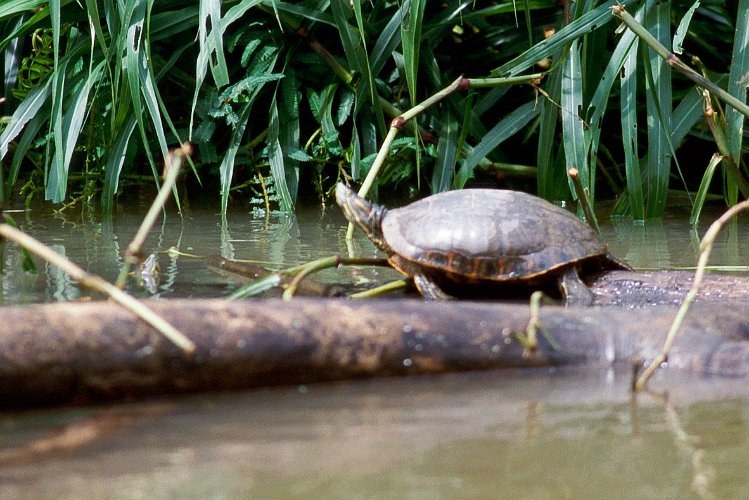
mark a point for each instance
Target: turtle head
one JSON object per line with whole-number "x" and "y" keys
{"x": 365, "y": 214}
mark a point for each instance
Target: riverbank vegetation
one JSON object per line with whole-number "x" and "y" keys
{"x": 282, "y": 99}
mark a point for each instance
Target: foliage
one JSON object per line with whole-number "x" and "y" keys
{"x": 299, "y": 94}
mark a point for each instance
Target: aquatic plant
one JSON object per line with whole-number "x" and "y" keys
{"x": 302, "y": 93}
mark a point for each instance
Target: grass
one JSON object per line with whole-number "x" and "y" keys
{"x": 302, "y": 93}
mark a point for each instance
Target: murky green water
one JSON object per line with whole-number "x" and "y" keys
{"x": 532, "y": 434}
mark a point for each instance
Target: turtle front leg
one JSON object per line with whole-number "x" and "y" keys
{"x": 429, "y": 289}
{"x": 574, "y": 291}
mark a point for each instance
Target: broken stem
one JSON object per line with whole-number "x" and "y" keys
{"x": 706, "y": 247}
{"x": 97, "y": 283}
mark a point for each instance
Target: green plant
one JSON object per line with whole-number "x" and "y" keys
{"x": 297, "y": 90}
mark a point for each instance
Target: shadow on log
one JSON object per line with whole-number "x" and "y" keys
{"x": 87, "y": 352}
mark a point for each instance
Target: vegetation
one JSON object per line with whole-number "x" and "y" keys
{"x": 282, "y": 99}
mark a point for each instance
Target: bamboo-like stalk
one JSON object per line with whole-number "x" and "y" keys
{"x": 97, "y": 283}
{"x": 460, "y": 83}
{"x": 583, "y": 199}
{"x": 171, "y": 172}
{"x": 717, "y": 128}
{"x": 706, "y": 247}
{"x": 676, "y": 63}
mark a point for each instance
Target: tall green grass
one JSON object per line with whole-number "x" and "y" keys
{"x": 302, "y": 93}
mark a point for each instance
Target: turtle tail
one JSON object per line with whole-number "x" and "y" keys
{"x": 365, "y": 214}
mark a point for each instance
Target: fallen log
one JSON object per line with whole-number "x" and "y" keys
{"x": 85, "y": 352}
{"x": 648, "y": 288}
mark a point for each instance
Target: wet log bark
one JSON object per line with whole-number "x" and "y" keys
{"x": 648, "y": 288}
{"x": 83, "y": 352}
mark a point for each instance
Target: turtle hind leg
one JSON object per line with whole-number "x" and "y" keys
{"x": 574, "y": 291}
{"x": 429, "y": 289}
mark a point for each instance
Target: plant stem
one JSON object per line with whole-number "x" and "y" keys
{"x": 393, "y": 286}
{"x": 705, "y": 248}
{"x": 100, "y": 285}
{"x": 171, "y": 172}
{"x": 676, "y": 63}
{"x": 584, "y": 200}
{"x": 398, "y": 122}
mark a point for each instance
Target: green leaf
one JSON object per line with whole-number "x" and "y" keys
{"x": 599, "y": 102}
{"x": 72, "y": 122}
{"x": 26, "y": 111}
{"x": 276, "y": 159}
{"x": 699, "y": 200}
{"x": 210, "y": 10}
{"x": 507, "y": 127}
{"x": 737, "y": 81}
{"x": 550, "y": 176}
{"x": 572, "y": 124}
{"x": 114, "y": 162}
{"x": 629, "y": 132}
{"x": 593, "y": 20}
{"x": 683, "y": 28}
{"x": 226, "y": 169}
{"x": 411, "y": 41}
{"x": 447, "y": 150}
{"x": 137, "y": 69}
{"x": 658, "y": 105}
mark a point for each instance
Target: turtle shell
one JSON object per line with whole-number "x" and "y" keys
{"x": 481, "y": 235}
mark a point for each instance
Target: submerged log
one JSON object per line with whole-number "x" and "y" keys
{"x": 84, "y": 352}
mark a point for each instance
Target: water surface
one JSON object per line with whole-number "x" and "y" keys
{"x": 509, "y": 434}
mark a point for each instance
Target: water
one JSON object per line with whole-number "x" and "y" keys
{"x": 508, "y": 434}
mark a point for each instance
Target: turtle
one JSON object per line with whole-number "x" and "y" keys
{"x": 480, "y": 239}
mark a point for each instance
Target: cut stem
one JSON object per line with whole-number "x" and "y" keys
{"x": 171, "y": 172}
{"x": 97, "y": 283}
{"x": 706, "y": 247}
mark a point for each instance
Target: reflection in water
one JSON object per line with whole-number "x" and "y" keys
{"x": 673, "y": 243}
{"x": 486, "y": 435}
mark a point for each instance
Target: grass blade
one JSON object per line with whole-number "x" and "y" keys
{"x": 276, "y": 160}
{"x": 596, "y": 18}
{"x": 71, "y": 123}
{"x": 628, "y": 108}
{"x": 683, "y": 28}
{"x": 447, "y": 149}
{"x": 737, "y": 79}
{"x": 572, "y": 124}
{"x": 699, "y": 199}
{"x": 658, "y": 92}
{"x": 209, "y": 28}
{"x": 26, "y": 111}
{"x": 410, "y": 42}
{"x": 507, "y": 127}
{"x": 115, "y": 162}
{"x": 226, "y": 169}
{"x": 551, "y": 175}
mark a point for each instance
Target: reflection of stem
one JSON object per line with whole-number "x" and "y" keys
{"x": 97, "y": 283}
{"x": 676, "y": 63}
{"x": 689, "y": 445}
{"x": 705, "y": 248}
{"x": 171, "y": 172}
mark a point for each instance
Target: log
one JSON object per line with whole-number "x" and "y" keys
{"x": 648, "y": 288}
{"x": 88, "y": 352}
